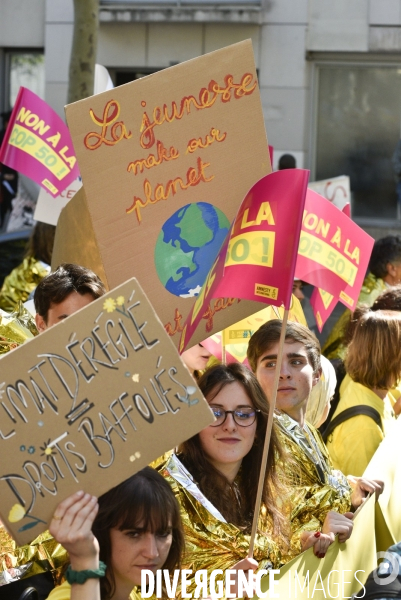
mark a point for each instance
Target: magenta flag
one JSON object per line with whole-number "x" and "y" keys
{"x": 38, "y": 144}
{"x": 347, "y": 209}
{"x": 257, "y": 259}
{"x": 322, "y": 304}
{"x": 333, "y": 251}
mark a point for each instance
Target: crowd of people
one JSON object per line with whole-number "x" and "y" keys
{"x": 195, "y": 510}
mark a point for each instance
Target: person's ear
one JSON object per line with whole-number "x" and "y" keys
{"x": 40, "y": 323}
{"x": 316, "y": 377}
{"x": 391, "y": 270}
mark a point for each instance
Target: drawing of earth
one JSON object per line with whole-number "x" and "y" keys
{"x": 187, "y": 246}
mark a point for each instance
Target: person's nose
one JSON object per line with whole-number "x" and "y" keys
{"x": 229, "y": 424}
{"x": 149, "y": 548}
{"x": 285, "y": 372}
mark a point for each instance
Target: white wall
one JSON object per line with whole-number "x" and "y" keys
{"x": 284, "y": 76}
{"x": 22, "y": 23}
{"x": 339, "y": 25}
{"x": 135, "y": 45}
{"x": 59, "y": 24}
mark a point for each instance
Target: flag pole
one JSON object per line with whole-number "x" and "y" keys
{"x": 272, "y": 406}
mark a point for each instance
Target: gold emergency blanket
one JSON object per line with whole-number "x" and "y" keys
{"x": 21, "y": 282}
{"x": 16, "y": 328}
{"x": 211, "y": 542}
{"x": 43, "y": 554}
{"x": 334, "y": 346}
{"x": 316, "y": 488}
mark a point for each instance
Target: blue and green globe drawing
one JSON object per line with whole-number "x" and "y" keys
{"x": 187, "y": 246}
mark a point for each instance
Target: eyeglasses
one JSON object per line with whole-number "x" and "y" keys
{"x": 244, "y": 417}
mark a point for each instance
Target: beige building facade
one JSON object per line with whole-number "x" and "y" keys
{"x": 329, "y": 72}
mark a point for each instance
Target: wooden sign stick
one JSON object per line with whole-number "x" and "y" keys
{"x": 272, "y": 406}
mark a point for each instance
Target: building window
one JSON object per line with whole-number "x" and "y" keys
{"x": 357, "y": 127}
{"x": 25, "y": 69}
{"x": 120, "y": 76}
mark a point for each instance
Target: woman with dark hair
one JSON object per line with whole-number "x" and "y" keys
{"x": 215, "y": 478}
{"x": 132, "y": 527}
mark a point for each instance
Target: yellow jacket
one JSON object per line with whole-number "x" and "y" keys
{"x": 353, "y": 443}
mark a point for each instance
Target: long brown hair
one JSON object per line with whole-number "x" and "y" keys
{"x": 213, "y": 484}
{"x": 146, "y": 499}
{"x": 390, "y": 299}
{"x": 374, "y": 354}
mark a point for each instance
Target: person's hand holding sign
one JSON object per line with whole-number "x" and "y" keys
{"x": 71, "y": 526}
{"x": 334, "y": 524}
{"x": 361, "y": 488}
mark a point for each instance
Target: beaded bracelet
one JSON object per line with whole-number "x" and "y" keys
{"x": 82, "y": 576}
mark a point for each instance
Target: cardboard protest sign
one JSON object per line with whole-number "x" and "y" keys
{"x": 257, "y": 259}
{"x": 333, "y": 251}
{"x": 75, "y": 240}
{"x": 336, "y": 190}
{"x": 340, "y": 574}
{"x": 88, "y": 403}
{"x": 236, "y": 337}
{"x": 38, "y": 144}
{"x": 48, "y": 209}
{"x": 166, "y": 161}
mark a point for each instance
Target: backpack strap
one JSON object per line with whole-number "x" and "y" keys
{"x": 348, "y": 413}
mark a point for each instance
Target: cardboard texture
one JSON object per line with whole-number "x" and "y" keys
{"x": 75, "y": 240}
{"x": 88, "y": 403}
{"x": 166, "y": 162}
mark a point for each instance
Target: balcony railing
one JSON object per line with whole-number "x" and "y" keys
{"x": 181, "y": 3}
{"x": 235, "y": 11}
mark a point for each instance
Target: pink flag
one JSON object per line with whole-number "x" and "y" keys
{"x": 333, "y": 251}
{"x": 38, "y": 144}
{"x": 257, "y": 259}
{"x": 322, "y": 304}
{"x": 347, "y": 210}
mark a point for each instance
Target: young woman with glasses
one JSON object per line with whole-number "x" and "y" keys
{"x": 215, "y": 478}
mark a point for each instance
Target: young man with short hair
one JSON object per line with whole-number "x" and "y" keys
{"x": 63, "y": 292}
{"x": 318, "y": 488}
